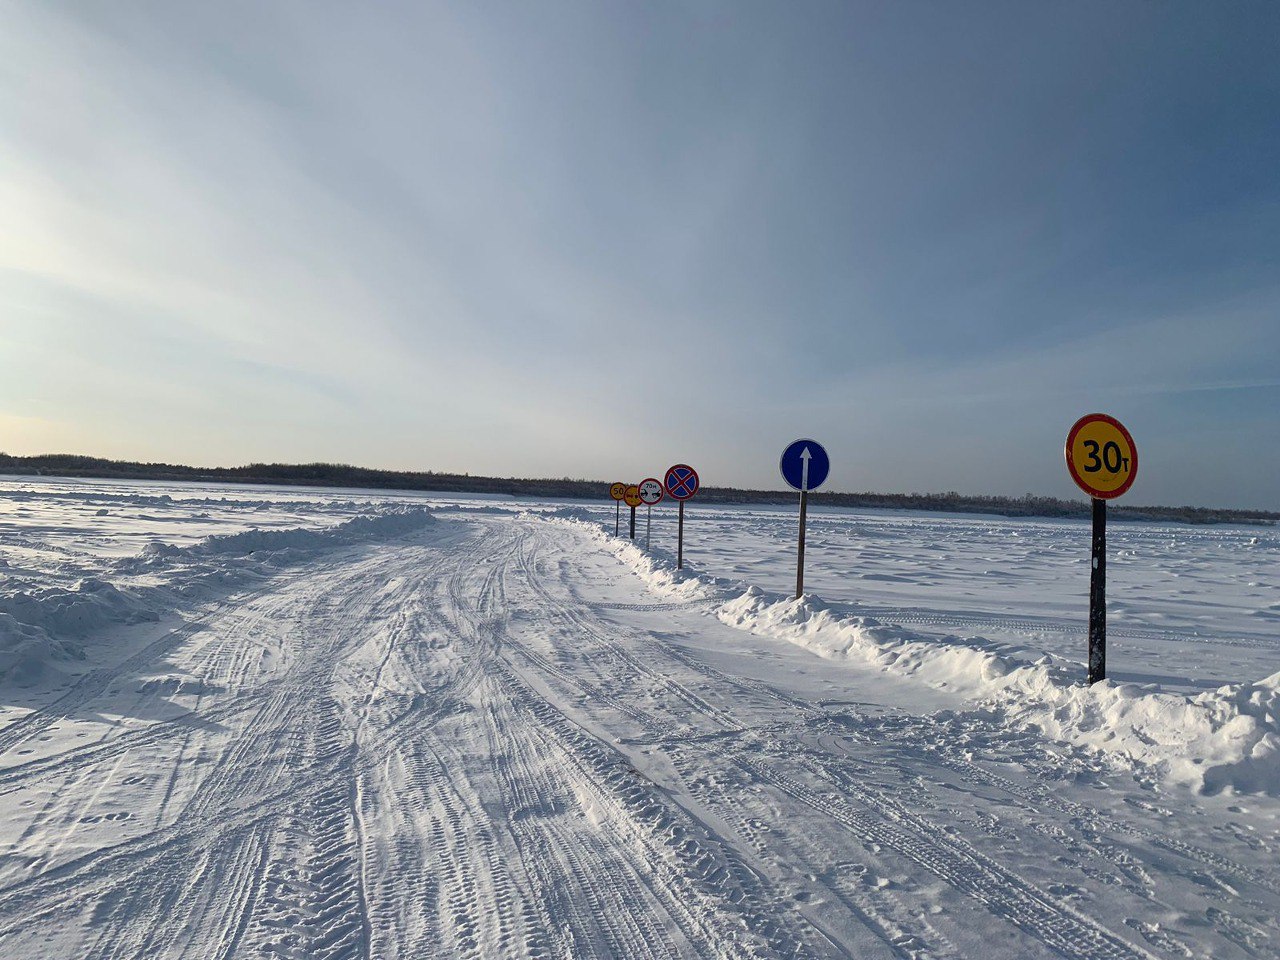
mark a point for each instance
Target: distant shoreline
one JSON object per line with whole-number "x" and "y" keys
{"x": 343, "y": 475}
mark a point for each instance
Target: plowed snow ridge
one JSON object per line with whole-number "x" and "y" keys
{"x": 1225, "y": 738}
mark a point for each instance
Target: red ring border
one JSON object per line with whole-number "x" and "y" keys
{"x": 1071, "y": 462}
{"x": 662, "y": 489}
{"x": 697, "y": 479}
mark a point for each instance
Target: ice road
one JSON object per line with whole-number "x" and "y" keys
{"x": 484, "y": 733}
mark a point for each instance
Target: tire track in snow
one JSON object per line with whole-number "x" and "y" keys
{"x": 1035, "y": 911}
{"x": 242, "y": 800}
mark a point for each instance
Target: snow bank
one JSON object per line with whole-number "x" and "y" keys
{"x": 657, "y": 570}
{"x": 1221, "y": 740}
{"x": 392, "y": 523}
{"x": 29, "y": 655}
{"x": 1224, "y": 739}
{"x": 42, "y": 628}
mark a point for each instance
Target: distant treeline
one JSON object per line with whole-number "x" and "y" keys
{"x": 344, "y": 475}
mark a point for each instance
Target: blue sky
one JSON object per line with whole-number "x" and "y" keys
{"x": 594, "y": 239}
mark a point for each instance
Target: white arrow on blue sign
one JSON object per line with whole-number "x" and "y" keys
{"x": 805, "y": 465}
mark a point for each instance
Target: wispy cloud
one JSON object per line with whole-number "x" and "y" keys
{"x": 575, "y": 239}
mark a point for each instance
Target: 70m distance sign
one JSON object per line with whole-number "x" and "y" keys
{"x": 650, "y": 491}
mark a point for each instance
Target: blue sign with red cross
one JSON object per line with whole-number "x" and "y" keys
{"x": 681, "y": 482}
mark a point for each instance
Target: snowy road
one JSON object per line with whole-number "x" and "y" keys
{"x": 487, "y": 739}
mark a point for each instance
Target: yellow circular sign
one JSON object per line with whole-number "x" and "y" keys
{"x": 1101, "y": 456}
{"x": 618, "y": 490}
{"x": 632, "y": 495}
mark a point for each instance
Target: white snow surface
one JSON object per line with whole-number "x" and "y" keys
{"x": 1224, "y": 738}
{"x": 290, "y": 722}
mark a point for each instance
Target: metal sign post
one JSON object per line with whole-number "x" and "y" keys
{"x": 632, "y": 499}
{"x": 617, "y": 491}
{"x": 804, "y": 464}
{"x": 681, "y": 482}
{"x": 1103, "y": 461}
{"x": 650, "y": 493}
{"x": 804, "y": 513}
{"x": 1098, "y": 595}
{"x": 680, "y": 538}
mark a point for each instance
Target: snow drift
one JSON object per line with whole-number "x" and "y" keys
{"x": 1221, "y": 740}
{"x": 392, "y": 523}
{"x": 43, "y": 629}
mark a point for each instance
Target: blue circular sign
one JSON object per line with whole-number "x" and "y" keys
{"x": 805, "y": 465}
{"x": 681, "y": 482}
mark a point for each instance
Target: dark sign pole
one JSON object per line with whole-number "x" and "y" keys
{"x": 1103, "y": 461}
{"x": 680, "y": 539}
{"x": 1098, "y": 595}
{"x": 804, "y": 510}
{"x": 617, "y": 516}
{"x": 804, "y": 464}
{"x": 633, "y": 523}
{"x": 681, "y": 482}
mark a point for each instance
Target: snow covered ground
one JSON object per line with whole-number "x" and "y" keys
{"x": 295, "y": 723}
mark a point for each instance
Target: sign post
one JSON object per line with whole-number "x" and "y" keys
{"x": 617, "y": 491}
{"x": 681, "y": 483}
{"x": 804, "y": 464}
{"x": 1103, "y": 461}
{"x": 632, "y": 498}
{"x": 650, "y": 493}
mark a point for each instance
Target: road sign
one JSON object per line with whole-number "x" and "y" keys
{"x": 650, "y": 491}
{"x": 617, "y": 491}
{"x": 1103, "y": 461}
{"x": 805, "y": 465}
{"x": 681, "y": 482}
{"x": 631, "y": 497}
{"x": 1101, "y": 456}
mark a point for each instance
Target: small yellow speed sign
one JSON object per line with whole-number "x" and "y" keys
{"x": 618, "y": 490}
{"x": 632, "y": 495}
{"x": 1101, "y": 456}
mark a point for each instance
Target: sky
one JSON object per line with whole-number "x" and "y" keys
{"x": 594, "y": 239}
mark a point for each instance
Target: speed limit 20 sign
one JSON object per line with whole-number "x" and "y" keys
{"x": 1101, "y": 456}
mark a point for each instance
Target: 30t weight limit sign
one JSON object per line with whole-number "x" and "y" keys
{"x": 1103, "y": 461}
{"x": 804, "y": 465}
